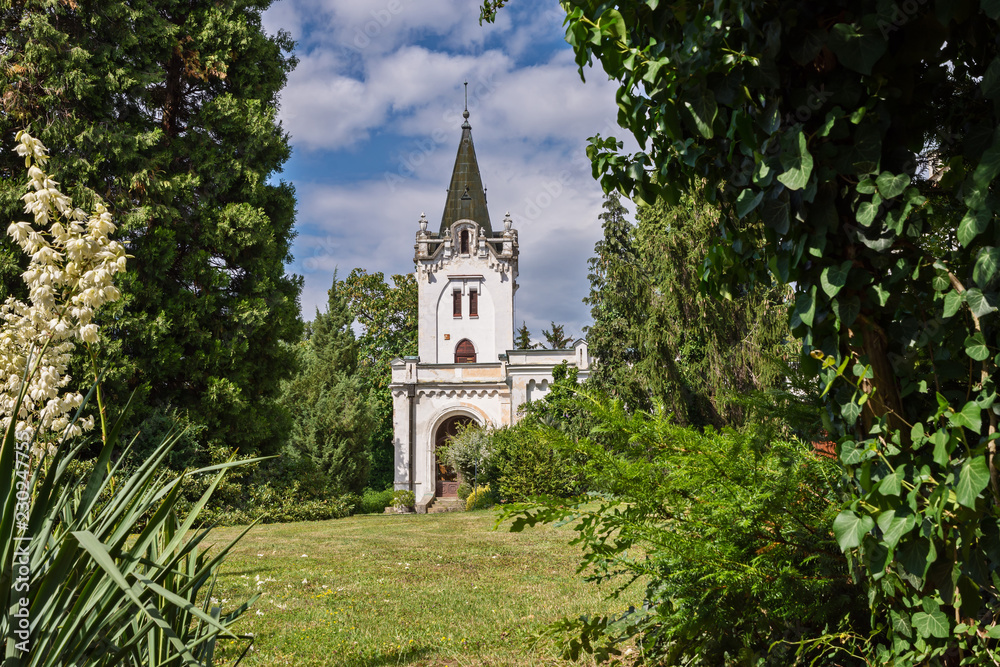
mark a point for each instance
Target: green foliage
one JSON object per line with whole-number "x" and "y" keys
{"x": 328, "y": 400}
{"x": 168, "y": 112}
{"x": 387, "y": 316}
{"x": 187, "y": 452}
{"x": 656, "y": 334}
{"x": 403, "y": 499}
{"x": 522, "y": 466}
{"x": 853, "y": 151}
{"x": 278, "y": 490}
{"x": 105, "y": 566}
{"x": 728, "y": 532}
{"x": 464, "y": 491}
{"x": 375, "y": 502}
{"x": 522, "y": 338}
{"x": 556, "y": 337}
{"x": 468, "y": 452}
{"x": 481, "y": 498}
{"x": 559, "y": 405}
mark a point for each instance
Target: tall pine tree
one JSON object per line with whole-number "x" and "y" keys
{"x": 167, "y": 110}
{"x": 328, "y": 400}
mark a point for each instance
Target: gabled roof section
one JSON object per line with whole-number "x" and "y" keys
{"x": 466, "y": 196}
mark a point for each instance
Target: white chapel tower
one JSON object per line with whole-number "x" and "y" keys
{"x": 466, "y": 370}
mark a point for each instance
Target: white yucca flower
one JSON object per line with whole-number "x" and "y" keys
{"x": 70, "y": 274}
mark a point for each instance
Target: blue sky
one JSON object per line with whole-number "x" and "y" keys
{"x": 374, "y": 113}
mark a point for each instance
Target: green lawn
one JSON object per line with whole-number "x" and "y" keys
{"x": 429, "y": 590}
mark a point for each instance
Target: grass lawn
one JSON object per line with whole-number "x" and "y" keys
{"x": 428, "y": 590}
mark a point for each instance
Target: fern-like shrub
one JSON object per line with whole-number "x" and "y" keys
{"x": 729, "y": 531}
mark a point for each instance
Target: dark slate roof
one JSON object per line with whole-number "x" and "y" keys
{"x": 466, "y": 197}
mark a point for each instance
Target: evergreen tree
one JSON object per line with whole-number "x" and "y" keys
{"x": 522, "y": 338}
{"x": 657, "y": 336}
{"x": 328, "y": 399}
{"x": 167, "y": 110}
{"x": 556, "y": 337}
{"x": 387, "y": 315}
{"x": 618, "y": 291}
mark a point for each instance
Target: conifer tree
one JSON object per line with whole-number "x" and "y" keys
{"x": 168, "y": 111}
{"x": 657, "y": 336}
{"x": 387, "y": 316}
{"x": 329, "y": 400}
{"x": 556, "y": 337}
{"x": 522, "y": 338}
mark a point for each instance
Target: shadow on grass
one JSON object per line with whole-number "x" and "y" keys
{"x": 400, "y": 658}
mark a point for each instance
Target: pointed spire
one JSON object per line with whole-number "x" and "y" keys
{"x": 466, "y": 196}
{"x": 465, "y": 114}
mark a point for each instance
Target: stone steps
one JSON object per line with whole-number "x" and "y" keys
{"x": 445, "y": 505}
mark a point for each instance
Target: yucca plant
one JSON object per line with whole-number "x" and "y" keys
{"x": 101, "y": 570}
{"x": 95, "y": 576}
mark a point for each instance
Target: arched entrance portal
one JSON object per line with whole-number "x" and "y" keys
{"x": 447, "y": 477}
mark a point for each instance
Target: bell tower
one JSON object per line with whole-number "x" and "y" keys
{"x": 466, "y": 274}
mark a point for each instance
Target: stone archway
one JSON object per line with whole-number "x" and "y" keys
{"x": 446, "y": 485}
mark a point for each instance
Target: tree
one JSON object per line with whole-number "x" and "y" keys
{"x": 522, "y": 338}
{"x": 659, "y": 338}
{"x": 556, "y": 337}
{"x": 854, "y": 151}
{"x": 387, "y": 315}
{"x": 328, "y": 400}
{"x": 168, "y": 112}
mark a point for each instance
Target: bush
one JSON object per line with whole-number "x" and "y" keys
{"x": 403, "y": 499}
{"x": 375, "y": 502}
{"x": 524, "y": 466}
{"x": 279, "y": 490}
{"x": 729, "y": 530}
{"x": 469, "y": 452}
{"x": 464, "y": 490}
{"x": 480, "y": 499}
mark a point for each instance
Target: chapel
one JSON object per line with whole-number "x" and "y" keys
{"x": 466, "y": 370}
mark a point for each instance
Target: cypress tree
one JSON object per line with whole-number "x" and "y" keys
{"x": 167, "y": 110}
{"x": 328, "y": 400}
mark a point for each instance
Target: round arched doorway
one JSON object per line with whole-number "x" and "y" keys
{"x": 447, "y": 477}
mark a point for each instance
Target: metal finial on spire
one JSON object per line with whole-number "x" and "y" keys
{"x": 465, "y": 114}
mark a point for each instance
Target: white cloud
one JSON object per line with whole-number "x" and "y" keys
{"x": 393, "y": 69}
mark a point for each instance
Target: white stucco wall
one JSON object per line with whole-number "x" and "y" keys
{"x": 438, "y": 276}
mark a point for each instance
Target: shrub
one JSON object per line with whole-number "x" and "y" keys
{"x": 729, "y": 530}
{"x": 525, "y": 466}
{"x": 375, "y": 502}
{"x": 469, "y": 452}
{"x": 464, "y": 490}
{"x": 480, "y": 499}
{"x": 403, "y": 499}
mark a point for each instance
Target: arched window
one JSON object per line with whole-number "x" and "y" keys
{"x": 463, "y": 241}
{"x": 465, "y": 353}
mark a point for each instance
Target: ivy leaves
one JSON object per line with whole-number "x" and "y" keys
{"x": 875, "y": 183}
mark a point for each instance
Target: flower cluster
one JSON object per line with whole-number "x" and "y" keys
{"x": 70, "y": 272}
